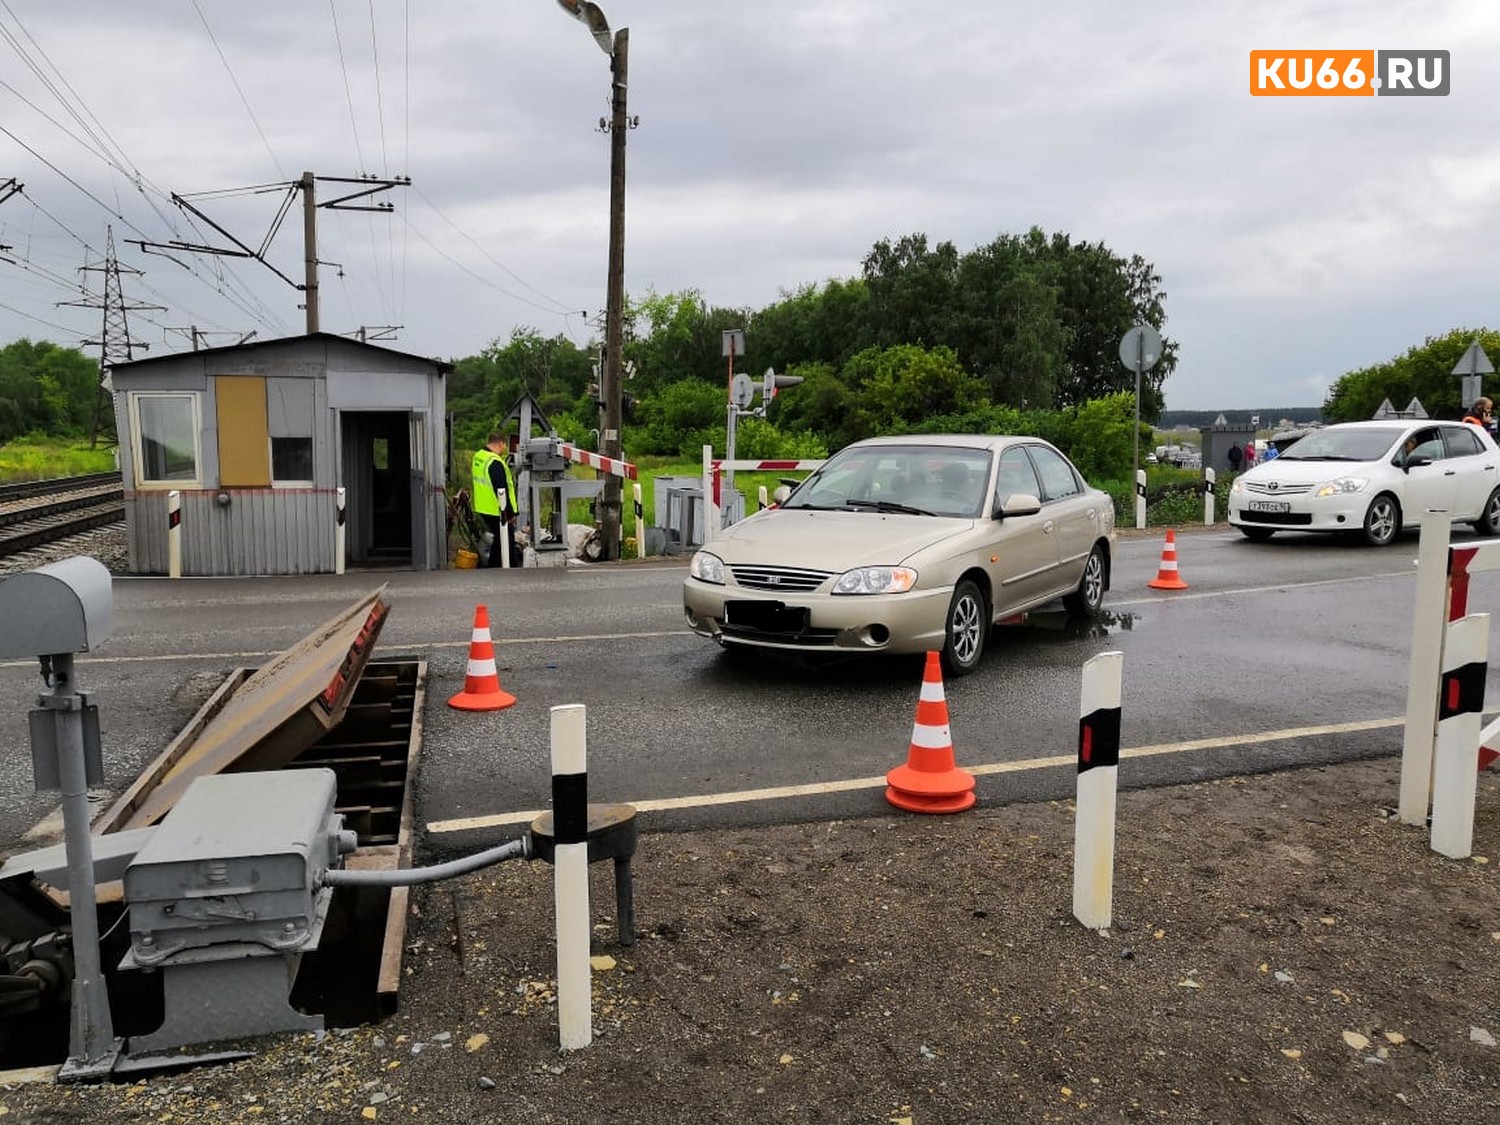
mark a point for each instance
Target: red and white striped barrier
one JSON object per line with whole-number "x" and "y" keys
{"x": 1460, "y": 704}
{"x": 769, "y": 466}
{"x": 1098, "y": 769}
{"x": 597, "y": 461}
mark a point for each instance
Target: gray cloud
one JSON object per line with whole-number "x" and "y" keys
{"x": 1297, "y": 238}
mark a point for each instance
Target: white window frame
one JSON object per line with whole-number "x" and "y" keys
{"x": 312, "y": 442}
{"x": 141, "y": 483}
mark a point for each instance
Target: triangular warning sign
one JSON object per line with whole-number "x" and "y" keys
{"x": 1415, "y": 409}
{"x": 1221, "y": 421}
{"x": 1474, "y": 362}
{"x": 1385, "y": 410}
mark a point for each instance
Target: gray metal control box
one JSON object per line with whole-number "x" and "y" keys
{"x": 240, "y": 858}
{"x": 544, "y": 455}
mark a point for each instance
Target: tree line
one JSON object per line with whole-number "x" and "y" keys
{"x": 926, "y": 338}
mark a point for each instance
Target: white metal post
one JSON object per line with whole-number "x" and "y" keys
{"x": 710, "y": 507}
{"x": 763, "y": 498}
{"x": 1455, "y": 759}
{"x": 640, "y": 521}
{"x": 174, "y": 534}
{"x": 1140, "y": 498}
{"x": 1429, "y": 619}
{"x": 570, "y": 868}
{"x": 1098, "y": 769}
{"x": 339, "y": 531}
{"x": 1209, "y": 479}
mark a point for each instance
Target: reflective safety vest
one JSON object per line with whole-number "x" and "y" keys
{"x": 486, "y": 501}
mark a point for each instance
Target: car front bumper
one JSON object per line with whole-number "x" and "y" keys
{"x": 1344, "y": 512}
{"x": 897, "y": 623}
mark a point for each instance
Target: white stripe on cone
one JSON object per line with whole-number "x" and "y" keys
{"x": 481, "y": 668}
{"x": 931, "y": 738}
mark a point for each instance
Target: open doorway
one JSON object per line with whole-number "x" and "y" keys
{"x": 377, "y": 474}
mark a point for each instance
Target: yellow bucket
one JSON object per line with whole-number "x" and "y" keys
{"x": 466, "y": 560}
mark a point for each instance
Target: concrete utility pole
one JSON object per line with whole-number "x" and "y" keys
{"x": 310, "y": 248}
{"x": 366, "y": 187}
{"x": 610, "y": 390}
{"x": 614, "y": 307}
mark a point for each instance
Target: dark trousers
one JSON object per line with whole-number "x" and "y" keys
{"x": 492, "y": 523}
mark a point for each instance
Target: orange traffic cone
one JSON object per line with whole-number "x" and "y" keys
{"x": 1167, "y": 577}
{"x": 481, "y": 679}
{"x": 929, "y": 782}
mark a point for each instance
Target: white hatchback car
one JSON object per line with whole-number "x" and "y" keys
{"x": 1371, "y": 479}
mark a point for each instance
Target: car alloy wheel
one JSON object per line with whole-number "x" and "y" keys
{"x": 1086, "y": 600}
{"x": 1382, "y": 521}
{"x": 1489, "y": 522}
{"x": 968, "y": 625}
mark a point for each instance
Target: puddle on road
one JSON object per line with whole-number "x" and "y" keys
{"x": 1049, "y": 624}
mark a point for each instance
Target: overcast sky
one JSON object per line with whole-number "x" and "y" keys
{"x": 1297, "y": 238}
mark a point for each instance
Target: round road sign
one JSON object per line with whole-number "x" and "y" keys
{"x": 1141, "y": 345}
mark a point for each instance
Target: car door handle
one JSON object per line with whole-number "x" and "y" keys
{"x": 1450, "y": 473}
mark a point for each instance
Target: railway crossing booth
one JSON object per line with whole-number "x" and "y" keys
{"x": 291, "y": 456}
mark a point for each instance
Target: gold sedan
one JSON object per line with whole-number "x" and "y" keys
{"x": 908, "y": 544}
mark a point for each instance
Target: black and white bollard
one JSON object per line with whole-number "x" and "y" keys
{"x": 640, "y": 521}
{"x": 1209, "y": 477}
{"x": 1455, "y": 759}
{"x": 1098, "y": 769}
{"x": 174, "y": 534}
{"x": 570, "y": 879}
{"x": 339, "y": 531}
{"x": 1140, "y": 499}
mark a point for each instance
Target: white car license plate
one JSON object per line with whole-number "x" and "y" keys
{"x": 1269, "y": 506}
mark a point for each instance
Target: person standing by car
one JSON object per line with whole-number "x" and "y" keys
{"x": 1482, "y": 414}
{"x": 1235, "y": 457}
{"x": 495, "y": 498}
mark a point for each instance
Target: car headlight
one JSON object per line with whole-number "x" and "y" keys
{"x": 1237, "y": 487}
{"x": 1343, "y": 484}
{"x": 707, "y": 567}
{"x": 875, "y": 580}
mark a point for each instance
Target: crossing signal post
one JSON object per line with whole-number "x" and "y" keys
{"x": 742, "y": 391}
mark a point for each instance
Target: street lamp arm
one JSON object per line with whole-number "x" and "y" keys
{"x": 589, "y": 14}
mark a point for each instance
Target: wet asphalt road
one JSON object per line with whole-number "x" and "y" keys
{"x": 1298, "y": 633}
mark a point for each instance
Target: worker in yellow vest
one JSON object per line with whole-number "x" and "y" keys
{"x": 494, "y": 500}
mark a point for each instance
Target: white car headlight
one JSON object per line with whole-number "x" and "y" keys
{"x": 707, "y": 567}
{"x": 1237, "y": 487}
{"x": 1343, "y": 484}
{"x": 876, "y": 580}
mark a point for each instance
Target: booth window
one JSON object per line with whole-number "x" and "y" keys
{"x": 166, "y": 439}
{"x": 290, "y": 406}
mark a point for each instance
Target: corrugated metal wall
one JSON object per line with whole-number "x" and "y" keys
{"x": 262, "y": 531}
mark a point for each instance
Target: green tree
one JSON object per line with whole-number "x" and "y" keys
{"x": 1424, "y": 372}
{"x": 46, "y": 389}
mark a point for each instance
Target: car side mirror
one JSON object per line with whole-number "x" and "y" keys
{"x": 1416, "y": 461}
{"x": 1019, "y": 504}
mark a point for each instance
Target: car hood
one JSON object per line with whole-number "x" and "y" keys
{"x": 832, "y": 541}
{"x": 1309, "y": 472}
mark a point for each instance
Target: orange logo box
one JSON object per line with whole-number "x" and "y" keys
{"x": 1312, "y": 74}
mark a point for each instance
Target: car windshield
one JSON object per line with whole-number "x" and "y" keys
{"x": 1367, "y": 443}
{"x": 929, "y": 480}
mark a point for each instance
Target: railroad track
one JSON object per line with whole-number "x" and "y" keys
{"x": 35, "y": 513}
